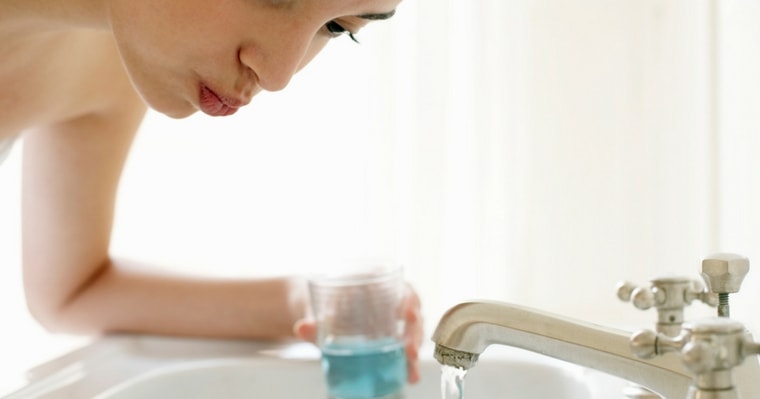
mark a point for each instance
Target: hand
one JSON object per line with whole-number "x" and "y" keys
{"x": 306, "y": 329}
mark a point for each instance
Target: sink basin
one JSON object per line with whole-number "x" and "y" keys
{"x": 154, "y": 367}
{"x": 274, "y": 379}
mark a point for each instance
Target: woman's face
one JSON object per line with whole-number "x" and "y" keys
{"x": 215, "y": 55}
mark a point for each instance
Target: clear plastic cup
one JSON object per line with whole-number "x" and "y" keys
{"x": 360, "y": 325}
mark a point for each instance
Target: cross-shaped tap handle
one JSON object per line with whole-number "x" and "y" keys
{"x": 669, "y": 295}
{"x": 710, "y": 350}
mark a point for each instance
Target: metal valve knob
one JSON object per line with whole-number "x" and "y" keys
{"x": 723, "y": 273}
{"x": 669, "y": 295}
{"x": 710, "y": 349}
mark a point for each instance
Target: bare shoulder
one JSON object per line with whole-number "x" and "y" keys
{"x": 54, "y": 77}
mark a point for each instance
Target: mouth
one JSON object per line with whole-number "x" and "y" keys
{"x": 213, "y": 104}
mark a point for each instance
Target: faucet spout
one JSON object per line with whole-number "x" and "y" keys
{"x": 467, "y": 329}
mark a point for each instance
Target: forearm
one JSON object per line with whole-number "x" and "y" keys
{"x": 124, "y": 297}
{"x": 71, "y": 172}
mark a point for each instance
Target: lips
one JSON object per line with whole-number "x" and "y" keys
{"x": 215, "y": 105}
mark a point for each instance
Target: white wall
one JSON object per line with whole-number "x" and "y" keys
{"x": 555, "y": 149}
{"x": 527, "y": 151}
{"x": 739, "y": 143}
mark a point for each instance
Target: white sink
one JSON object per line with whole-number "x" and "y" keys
{"x": 151, "y": 367}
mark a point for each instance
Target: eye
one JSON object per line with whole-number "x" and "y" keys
{"x": 335, "y": 29}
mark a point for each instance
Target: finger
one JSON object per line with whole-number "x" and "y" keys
{"x": 413, "y": 334}
{"x": 413, "y": 317}
{"x": 411, "y": 298}
{"x": 306, "y": 330}
{"x": 415, "y": 330}
{"x": 412, "y": 363}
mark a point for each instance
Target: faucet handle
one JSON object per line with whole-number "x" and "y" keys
{"x": 710, "y": 349}
{"x": 646, "y": 344}
{"x": 641, "y": 297}
{"x": 669, "y": 295}
{"x": 723, "y": 273}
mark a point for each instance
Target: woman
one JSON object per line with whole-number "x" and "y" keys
{"x": 77, "y": 78}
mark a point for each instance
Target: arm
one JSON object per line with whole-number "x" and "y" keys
{"x": 70, "y": 179}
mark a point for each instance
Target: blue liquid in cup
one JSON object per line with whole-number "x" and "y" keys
{"x": 366, "y": 370}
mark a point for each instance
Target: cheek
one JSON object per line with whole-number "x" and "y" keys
{"x": 317, "y": 45}
{"x": 151, "y": 56}
{"x": 162, "y": 89}
{"x": 132, "y": 31}
{"x": 168, "y": 47}
{"x": 161, "y": 33}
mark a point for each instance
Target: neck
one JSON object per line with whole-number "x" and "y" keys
{"x": 54, "y": 14}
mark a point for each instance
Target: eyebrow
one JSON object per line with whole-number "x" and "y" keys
{"x": 378, "y": 16}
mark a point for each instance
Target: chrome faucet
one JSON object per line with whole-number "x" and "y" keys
{"x": 467, "y": 329}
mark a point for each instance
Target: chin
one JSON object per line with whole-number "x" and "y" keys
{"x": 174, "y": 111}
{"x": 171, "y": 105}
{"x": 178, "y": 114}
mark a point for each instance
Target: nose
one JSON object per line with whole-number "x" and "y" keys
{"x": 276, "y": 63}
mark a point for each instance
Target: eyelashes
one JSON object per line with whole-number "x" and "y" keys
{"x": 335, "y": 29}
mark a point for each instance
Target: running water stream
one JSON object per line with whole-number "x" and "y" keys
{"x": 452, "y": 382}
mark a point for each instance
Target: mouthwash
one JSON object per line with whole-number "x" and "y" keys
{"x": 366, "y": 370}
